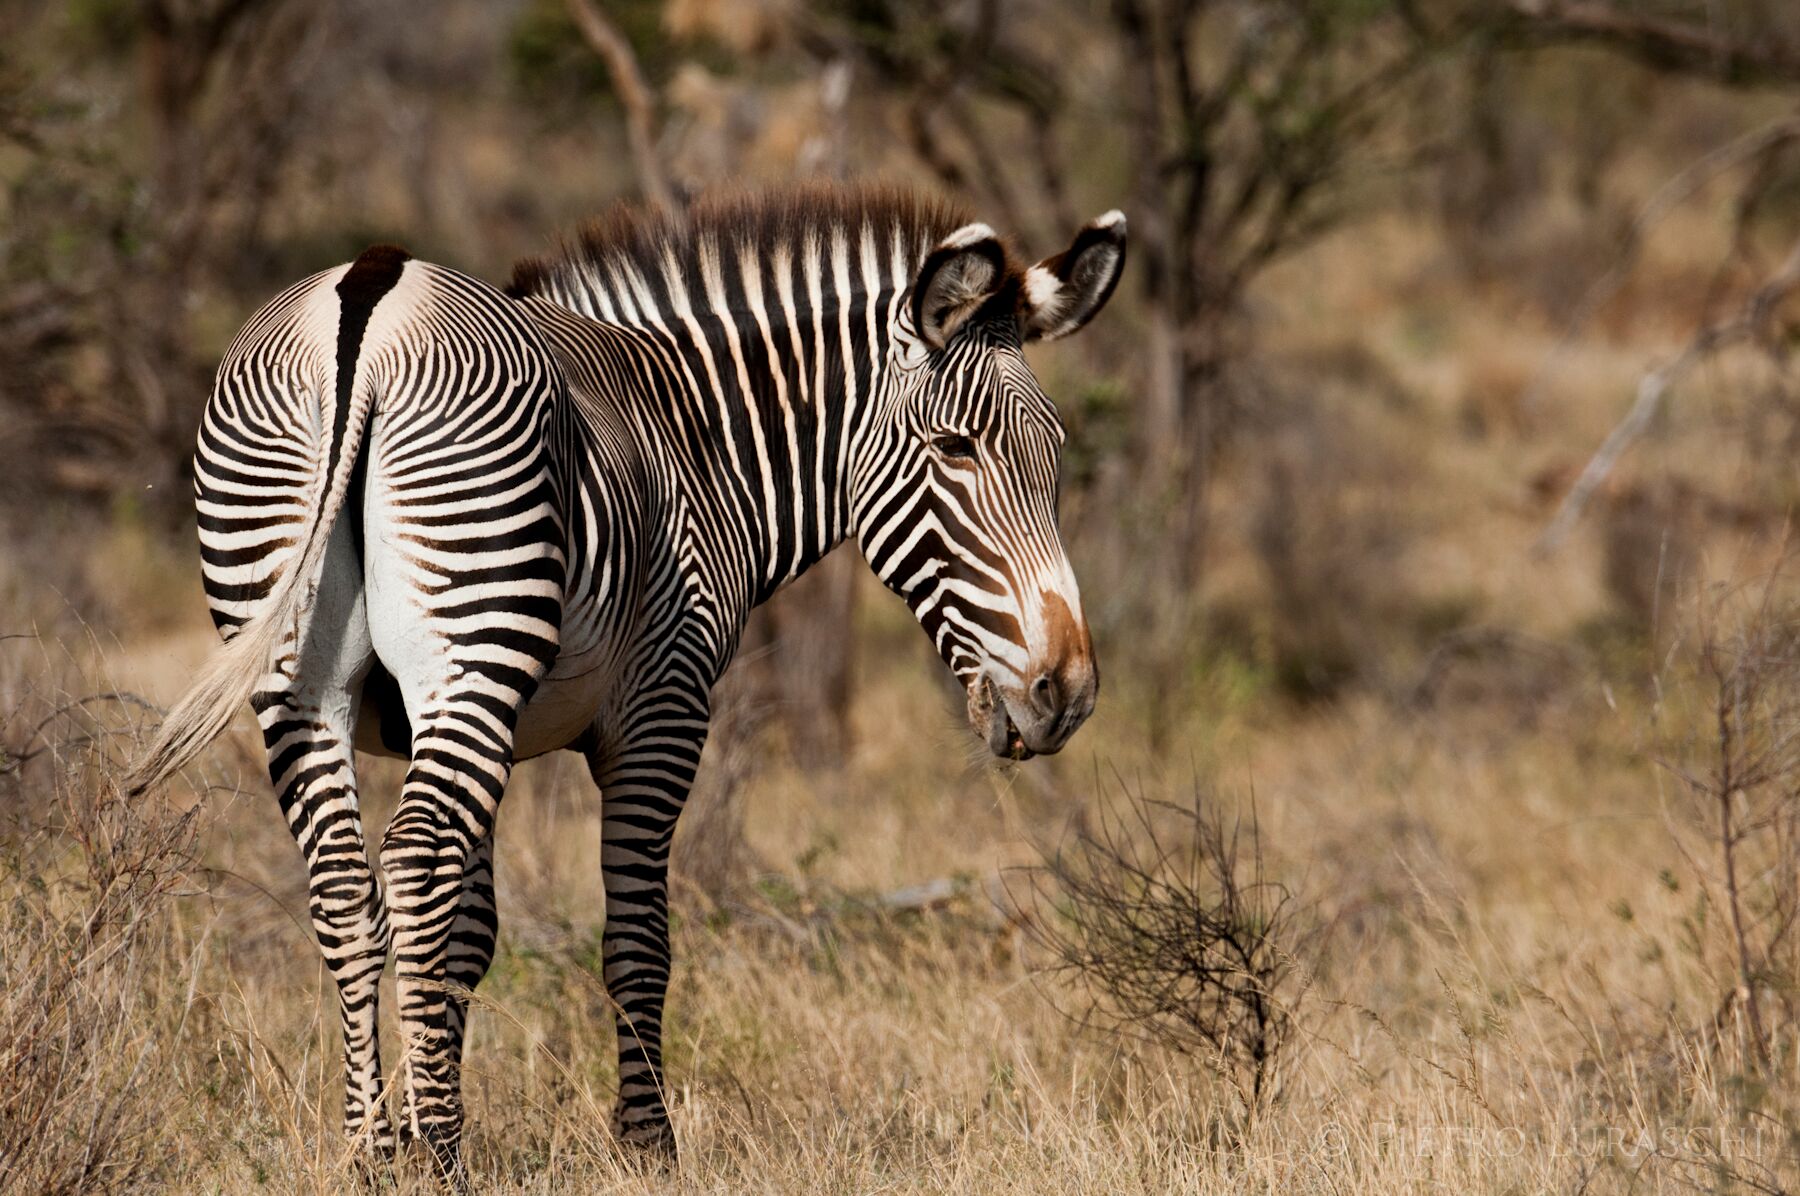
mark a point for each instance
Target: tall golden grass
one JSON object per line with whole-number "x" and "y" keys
{"x": 1514, "y": 993}
{"x": 1524, "y": 981}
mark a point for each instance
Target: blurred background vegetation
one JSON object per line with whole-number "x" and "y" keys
{"x": 1365, "y": 236}
{"x": 1449, "y": 388}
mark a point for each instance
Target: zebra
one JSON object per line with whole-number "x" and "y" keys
{"x": 468, "y": 527}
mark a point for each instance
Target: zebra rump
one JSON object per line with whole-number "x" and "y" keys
{"x": 227, "y": 679}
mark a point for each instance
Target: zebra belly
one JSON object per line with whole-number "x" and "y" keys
{"x": 566, "y": 704}
{"x": 563, "y": 708}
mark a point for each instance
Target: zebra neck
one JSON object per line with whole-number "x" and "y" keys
{"x": 787, "y": 392}
{"x": 766, "y": 354}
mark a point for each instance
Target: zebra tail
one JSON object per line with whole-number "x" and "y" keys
{"x": 224, "y": 684}
{"x": 230, "y": 677}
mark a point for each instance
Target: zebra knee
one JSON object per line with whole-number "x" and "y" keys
{"x": 422, "y": 861}
{"x": 345, "y": 902}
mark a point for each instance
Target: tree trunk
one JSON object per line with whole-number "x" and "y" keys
{"x": 797, "y": 654}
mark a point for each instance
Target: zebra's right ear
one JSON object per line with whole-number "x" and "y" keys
{"x": 960, "y": 275}
{"x": 1063, "y": 293}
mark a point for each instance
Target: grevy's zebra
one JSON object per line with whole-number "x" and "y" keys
{"x": 561, "y": 510}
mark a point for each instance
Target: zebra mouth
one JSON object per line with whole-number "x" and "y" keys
{"x": 987, "y": 706}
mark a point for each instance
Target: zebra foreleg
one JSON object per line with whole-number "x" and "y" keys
{"x": 642, "y": 791}
{"x": 312, "y": 767}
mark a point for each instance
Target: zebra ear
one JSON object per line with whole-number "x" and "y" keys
{"x": 960, "y": 275}
{"x": 1062, "y": 293}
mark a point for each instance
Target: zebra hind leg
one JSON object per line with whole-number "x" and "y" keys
{"x": 307, "y": 709}
{"x": 460, "y": 765}
{"x": 472, "y": 939}
{"x": 312, "y": 767}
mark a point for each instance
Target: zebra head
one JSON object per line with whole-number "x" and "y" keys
{"x": 956, "y": 492}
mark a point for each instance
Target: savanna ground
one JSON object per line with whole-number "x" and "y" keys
{"x": 1514, "y": 988}
{"x": 1487, "y": 779}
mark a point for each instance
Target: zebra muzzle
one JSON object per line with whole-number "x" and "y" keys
{"x": 991, "y": 719}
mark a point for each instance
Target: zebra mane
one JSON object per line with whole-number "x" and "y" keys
{"x": 646, "y": 238}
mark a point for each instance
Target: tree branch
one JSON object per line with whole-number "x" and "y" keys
{"x": 1673, "y": 193}
{"x": 1660, "y": 42}
{"x": 634, "y": 93}
{"x": 1654, "y": 386}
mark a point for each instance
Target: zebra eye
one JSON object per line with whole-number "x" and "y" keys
{"x": 955, "y": 447}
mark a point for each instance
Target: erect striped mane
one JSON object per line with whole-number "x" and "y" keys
{"x": 644, "y": 239}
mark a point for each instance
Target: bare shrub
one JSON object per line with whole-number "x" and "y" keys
{"x": 1484, "y": 687}
{"x": 1163, "y": 917}
{"x": 1728, "y": 721}
{"x": 84, "y": 882}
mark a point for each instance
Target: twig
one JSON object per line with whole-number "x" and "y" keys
{"x": 1654, "y": 386}
{"x": 1688, "y": 47}
{"x": 1729, "y": 786}
{"x": 936, "y": 894}
{"x": 1671, "y": 195}
{"x": 27, "y": 752}
{"x": 634, "y": 93}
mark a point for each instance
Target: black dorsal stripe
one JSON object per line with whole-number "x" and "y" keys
{"x": 374, "y": 273}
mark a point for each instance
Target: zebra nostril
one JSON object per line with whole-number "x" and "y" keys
{"x": 1044, "y": 695}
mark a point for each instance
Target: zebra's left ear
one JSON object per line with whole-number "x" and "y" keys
{"x": 1064, "y": 292}
{"x": 960, "y": 275}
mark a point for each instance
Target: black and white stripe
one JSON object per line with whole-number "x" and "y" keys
{"x": 564, "y": 507}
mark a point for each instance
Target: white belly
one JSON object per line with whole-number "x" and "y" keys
{"x": 565, "y": 704}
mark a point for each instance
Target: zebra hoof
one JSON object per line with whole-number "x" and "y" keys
{"x": 649, "y": 1142}
{"x": 441, "y": 1160}
{"x": 371, "y": 1152}
{"x": 372, "y": 1171}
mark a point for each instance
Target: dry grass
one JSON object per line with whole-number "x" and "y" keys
{"x": 1511, "y": 997}
{"x": 1506, "y": 1003}
{"x": 89, "y": 966}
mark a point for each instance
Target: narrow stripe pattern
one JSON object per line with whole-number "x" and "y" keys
{"x": 554, "y": 510}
